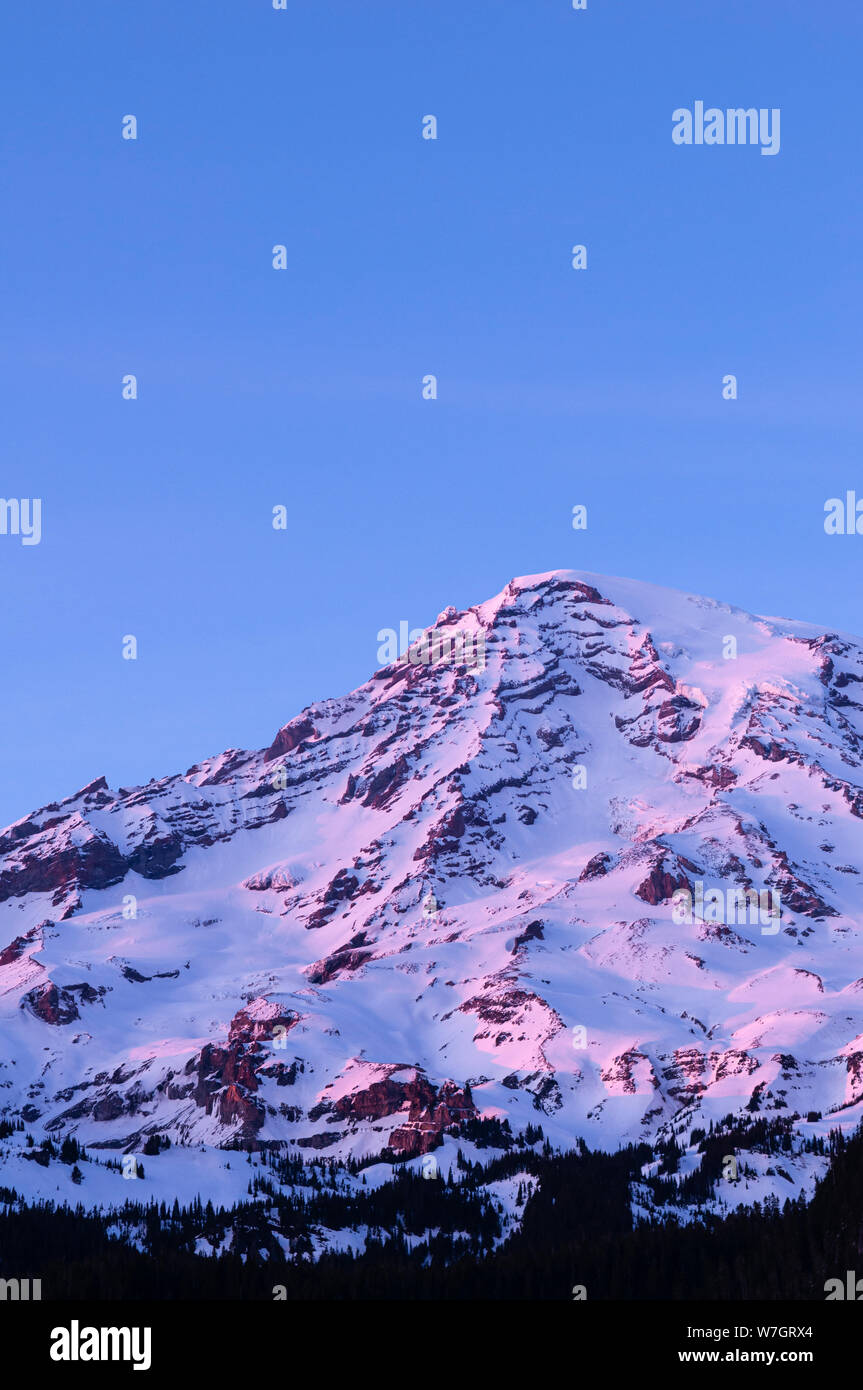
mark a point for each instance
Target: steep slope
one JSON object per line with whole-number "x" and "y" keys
{"x": 450, "y": 896}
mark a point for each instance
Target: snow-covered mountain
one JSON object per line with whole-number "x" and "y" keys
{"x": 450, "y": 896}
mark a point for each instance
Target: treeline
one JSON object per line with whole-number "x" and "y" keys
{"x": 576, "y": 1230}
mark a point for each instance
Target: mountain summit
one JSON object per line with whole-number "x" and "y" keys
{"x": 503, "y": 890}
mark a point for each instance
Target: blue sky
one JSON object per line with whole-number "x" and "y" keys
{"x": 406, "y": 257}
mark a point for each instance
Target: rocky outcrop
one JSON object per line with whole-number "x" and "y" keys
{"x": 662, "y": 883}
{"x": 57, "y": 865}
{"x": 291, "y": 736}
{"x": 385, "y": 1097}
{"x": 795, "y": 894}
{"x": 15, "y": 950}
{"x": 339, "y": 890}
{"x": 686, "y": 1073}
{"x": 425, "y": 1126}
{"x": 445, "y": 835}
{"x": 52, "y": 1005}
{"x": 228, "y": 1078}
{"x": 109, "y": 1107}
{"x": 429, "y": 1110}
{"x": 597, "y": 867}
{"x": 385, "y": 784}
{"x": 532, "y": 932}
{"x": 630, "y": 1073}
{"x": 57, "y": 1006}
{"x": 340, "y": 962}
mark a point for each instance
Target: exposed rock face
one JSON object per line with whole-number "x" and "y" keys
{"x": 429, "y": 1110}
{"x": 661, "y": 884}
{"x": 336, "y": 964}
{"x": 854, "y": 1066}
{"x": 50, "y": 865}
{"x": 292, "y": 736}
{"x": 320, "y": 1141}
{"x": 444, "y": 836}
{"x": 597, "y": 867}
{"x": 16, "y": 949}
{"x": 797, "y": 895}
{"x": 386, "y": 1097}
{"x": 66, "y": 855}
{"x": 339, "y": 890}
{"x": 56, "y": 1006}
{"x": 629, "y": 1073}
{"x": 228, "y": 1078}
{"x": 532, "y": 932}
{"x": 110, "y": 1107}
{"x": 686, "y": 1073}
{"x": 734, "y": 1062}
{"x": 51, "y": 1004}
{"x": 384, "y": 785}
{"x": 425, "y": 1126}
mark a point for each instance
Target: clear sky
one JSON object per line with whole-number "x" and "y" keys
{"x": 406, "y": 256}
